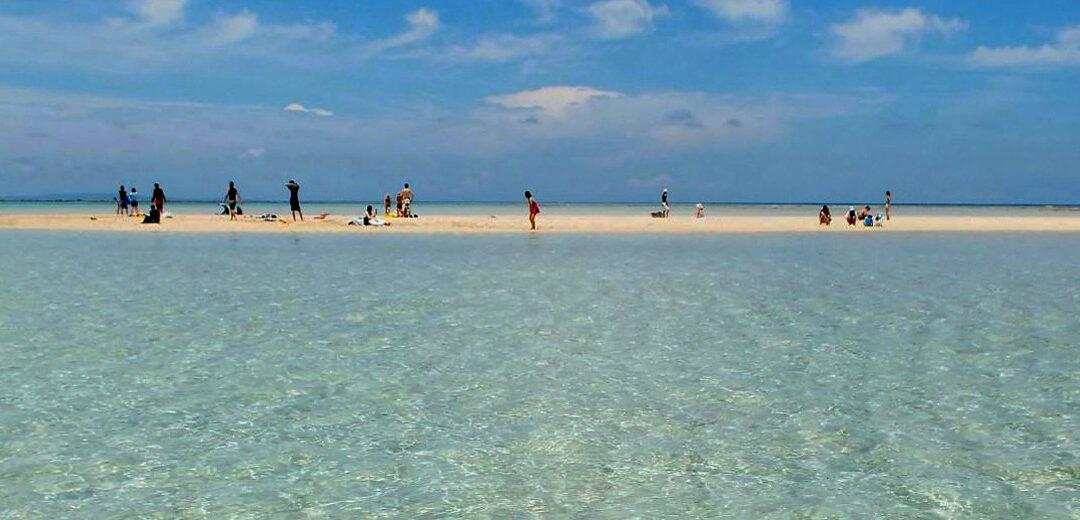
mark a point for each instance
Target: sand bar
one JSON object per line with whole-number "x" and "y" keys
{"x": 1067, "y": 221}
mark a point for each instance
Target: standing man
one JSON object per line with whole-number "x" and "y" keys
{"x": 122, "y": 202}
{"x": 664, "y": 207}
{"x": 157, "y": 198}
{"x": 387, "y": 203}
{"x": 232, "y": 198}
{"x": 888, "y": 205}
{"x": 406, "y": 200}
{"x": 294, "y": 199}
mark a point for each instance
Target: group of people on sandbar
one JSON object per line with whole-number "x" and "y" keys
{"x": 127, "y": 204}
{"x": 398, "y": 207}
{"x": 865, "y": 215}
{"x": 665, "y": 208}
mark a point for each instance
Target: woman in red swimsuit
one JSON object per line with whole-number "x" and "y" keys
{"x": 534, "y": 209}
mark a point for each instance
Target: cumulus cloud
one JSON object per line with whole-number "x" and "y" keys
{"x": 297, "y": 107}
{"x": 551, "y": 102}
{"x": 657, "y": 121}
{"x": 158, "y": 12}
{"x": 875, "y": 33}
{"x": 740, "y": 11}
{"x": 78, "y": 141}
{"x": 615, "y": 19}
{"x": 1064, "y": 51}
{"x": 229, "y": 29}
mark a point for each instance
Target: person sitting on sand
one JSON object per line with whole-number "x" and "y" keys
{"x": 154, "y": 217}
{"x": 878, "y": 221}
{"x": 534, "y": 209}
{"x": 824, "y": 216}
{"x": 865, "y": 212}
{"x": 370, "y": 218}
{"x": 700, "y": 210}
{"x": 851, "y": 217}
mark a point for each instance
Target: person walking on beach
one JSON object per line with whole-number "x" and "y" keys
{"x": 664, "y": 207}
{"x": 888, "y": 205}
{"x": 157, "y": 198}
{"x": 294, "y": 199}
{"x": 232, "y": 198}
{"x": 122, "y": 202}
{"x": 534, "y": 209}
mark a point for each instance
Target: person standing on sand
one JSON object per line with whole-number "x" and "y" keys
{"x": 122, "y": 202}
{"x": 664, "y": 207}
{"x": 294, "y": 199}
{"x": 157, "y": 198}
{"x": 888, "y": 205}
{"x": 134, "y": 201}
{"x": 232, "y": 198}
{"x": 386, "y": 205}
{"x": 406, "y": 200}
{"x": 534, "y": 209}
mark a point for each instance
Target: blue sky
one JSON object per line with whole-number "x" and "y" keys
{"x": 718, "y": 100}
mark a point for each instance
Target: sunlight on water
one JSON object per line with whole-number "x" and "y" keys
{"x": 552, "y": 376}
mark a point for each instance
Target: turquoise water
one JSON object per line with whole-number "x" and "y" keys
{"x": 787, "y": 376}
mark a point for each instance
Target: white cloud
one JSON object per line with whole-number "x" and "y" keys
{"x": 1064, "y": 51}
{"x": 874, "y": 33}
{"x": 550, "y": 101}
{"x": 545, "y": 9}
{"x": 501, "y": 48}
{"x": 253, "y": 153}
{"x": 297, "y": 107}
{"x": 740, "y": 11}
{"x": 156, "y": 39}
{"x": 655, "y": 121}
{"x": 614, "y": 19}
{"x": 229, "y": 29}
{"x": 422, "y": 23}
{"x": 158, "y": 12}
{"x": 79, "y": 140}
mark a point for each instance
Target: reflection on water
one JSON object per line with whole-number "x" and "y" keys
{"x": 555, "y": 376}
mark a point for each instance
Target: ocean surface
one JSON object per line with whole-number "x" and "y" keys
{"x": 806, "y": 376}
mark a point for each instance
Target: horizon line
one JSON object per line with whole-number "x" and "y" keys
{"x": 552, "y": 202}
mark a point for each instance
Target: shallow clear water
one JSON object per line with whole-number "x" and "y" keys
{"x": 789, "y": 376}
